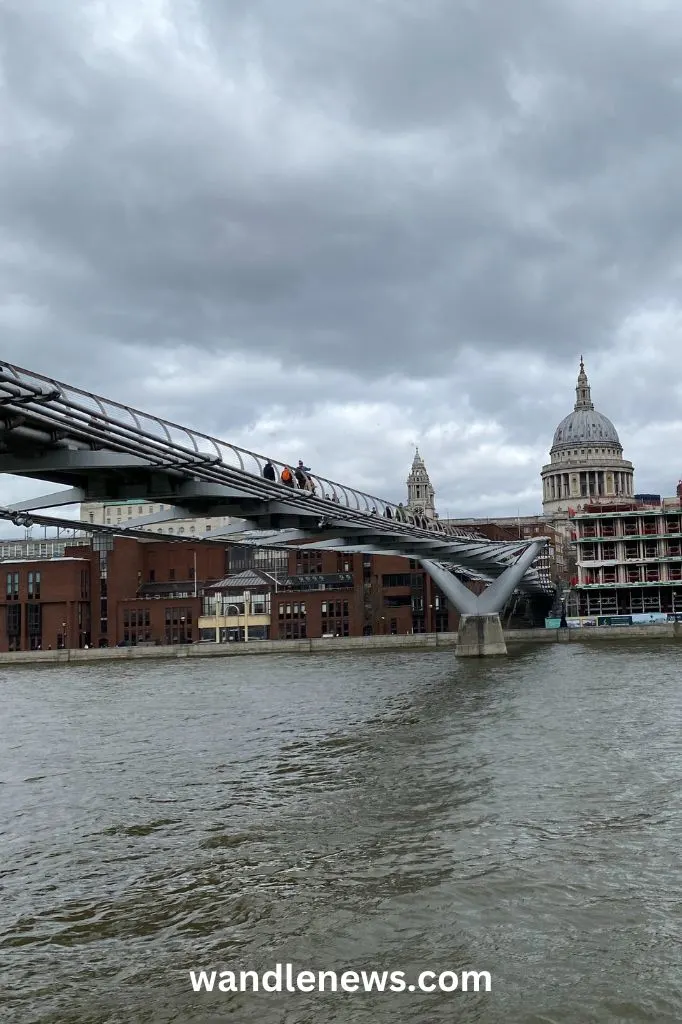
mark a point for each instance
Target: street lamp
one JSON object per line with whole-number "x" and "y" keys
{"x": 64, "y": 636}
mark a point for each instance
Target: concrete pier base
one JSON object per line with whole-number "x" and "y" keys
{"x": 480, "y": 636}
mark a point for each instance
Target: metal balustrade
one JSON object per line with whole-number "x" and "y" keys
{"x": 77, "y": 434}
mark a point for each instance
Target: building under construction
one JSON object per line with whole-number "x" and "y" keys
{"x": 629, "y": 558}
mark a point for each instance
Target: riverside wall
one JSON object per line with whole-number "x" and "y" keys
{"x": 339, "y": 645}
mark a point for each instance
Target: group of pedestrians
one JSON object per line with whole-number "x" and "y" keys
{"x": 300, "y": 479}
{"x": 297, "y": 478}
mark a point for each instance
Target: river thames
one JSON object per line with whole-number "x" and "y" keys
{"x": 355, "y": 812}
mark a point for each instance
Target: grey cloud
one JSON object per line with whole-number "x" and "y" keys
{"x": 462, "y": 192}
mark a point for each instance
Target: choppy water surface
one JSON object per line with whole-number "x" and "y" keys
{"x": 520, "y": 816}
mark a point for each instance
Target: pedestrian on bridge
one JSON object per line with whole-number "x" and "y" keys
{"x": 269, "y": 471}
{"x": 301, "y": 476}
{"x": 303, "y": 479}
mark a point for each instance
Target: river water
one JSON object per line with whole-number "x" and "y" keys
{"x": 396, "y": 811}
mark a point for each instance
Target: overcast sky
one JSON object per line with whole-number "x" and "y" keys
{"x": 332, "y": 229}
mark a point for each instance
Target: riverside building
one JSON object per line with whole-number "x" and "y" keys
{"x": 108, "y": 590}
{"x": 629, "y": 559}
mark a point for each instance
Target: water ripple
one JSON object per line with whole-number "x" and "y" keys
{"x": 522, "y": 816}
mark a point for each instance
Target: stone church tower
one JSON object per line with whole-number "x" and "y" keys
{"x": 420, "y": 493}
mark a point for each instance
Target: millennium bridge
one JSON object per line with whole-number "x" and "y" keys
{"x": 95, "y": 449}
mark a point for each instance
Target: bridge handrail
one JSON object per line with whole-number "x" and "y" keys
{"x": 60, "y": 391}
{"x": 64, "y": 403}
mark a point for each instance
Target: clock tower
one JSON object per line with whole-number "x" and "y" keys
{"x": 420, "y": 493}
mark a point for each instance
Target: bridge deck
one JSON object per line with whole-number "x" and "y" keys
{"x": 102, "y": 450}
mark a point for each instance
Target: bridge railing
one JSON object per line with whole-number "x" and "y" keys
{"x": 191, "y": 448}
{"x": 57, "y": 408}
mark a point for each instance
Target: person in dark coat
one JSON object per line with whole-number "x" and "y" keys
{"x": 269, "y": 471}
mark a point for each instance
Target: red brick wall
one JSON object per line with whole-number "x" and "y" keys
{"x": 374, "y": 596}
{"x": 64, "y": 613}
{"x": 133, "y": 563}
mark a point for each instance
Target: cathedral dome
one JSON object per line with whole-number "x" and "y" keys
{"x": 585, "y": 425}
{"x": 586, "y": 460}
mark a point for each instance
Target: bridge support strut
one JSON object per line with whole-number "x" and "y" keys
{"x": 480, "y": 636}
{"x": 480, "y": 629}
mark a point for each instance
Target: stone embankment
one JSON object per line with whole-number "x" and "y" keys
{"x": 338, "y": 645}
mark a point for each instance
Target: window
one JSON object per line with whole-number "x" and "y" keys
{"x": 152, "y": 575}
{"x": 34, "y": 622}
{"x": 13, "y": 626}
{"x": 34, "y": 586}
{"x": 396, "y": 579}
{"x": 136, "y": 625}
{"x": 334, "y": 618}
{"x": 260, "y": 604}
{"x": 292, "y": 621}
{"x": 171, "y": 574}
{"x": 308, "y": 562}
{"x": 12, "y": 586}
{"x": 178, "y": 625}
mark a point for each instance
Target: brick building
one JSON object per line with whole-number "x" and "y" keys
{"x": 47, "y": 604}
{"x": 127, "y": 591}
{"x": 327, "y": 593}
{"x": 107, "y": 592}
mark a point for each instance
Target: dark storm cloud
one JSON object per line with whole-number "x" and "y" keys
{"x": 371, "y": 193}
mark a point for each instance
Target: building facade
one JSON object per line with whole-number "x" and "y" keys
{"x": 586, "y": 459}
{"x": 110, "y": 591}
{"x": 326, "y": 593}
{"x": 124, "y": 513}
{"x": 125, "y": 591}
{"x": 47, "y": 603}
{"x": 629, "y": 560}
